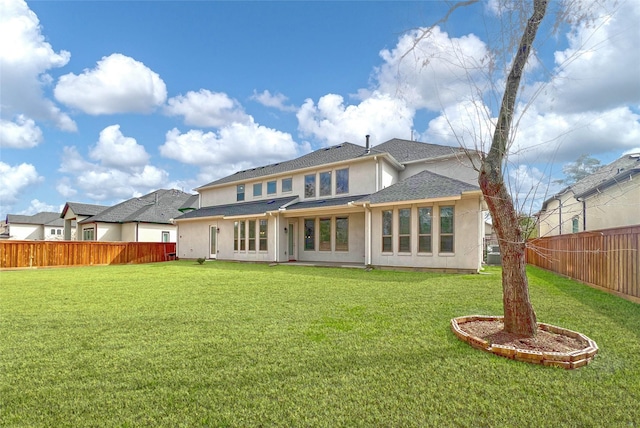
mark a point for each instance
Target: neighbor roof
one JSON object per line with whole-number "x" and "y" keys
{"x": 83, "y": 209}
{"x": 424, "y": 185}
{"x": 239, "y": 209}
{"x": 42, "y": 218}
{"x": 157, "y": 207}
{"x": 603, "y": 177}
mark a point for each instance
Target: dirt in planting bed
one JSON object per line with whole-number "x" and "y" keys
{"x": 544, "y": 341}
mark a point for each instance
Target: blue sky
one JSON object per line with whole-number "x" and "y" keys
{"x": 103, "y": 101}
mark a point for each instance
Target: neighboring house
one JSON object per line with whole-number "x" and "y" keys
{"x": 76, "y": 212}
{"x": 44, "y": 226}
{"x": 144, "y": 219}
{"x": 399, "y": 204}
{"x": 610, "y": 197}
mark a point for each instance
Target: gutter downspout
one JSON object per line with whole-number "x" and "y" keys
{"x": 559, "y": 214}
{"x": 584, "y": 213}
{"x": 369, "y": 235}
{"x": 377, "y": 173}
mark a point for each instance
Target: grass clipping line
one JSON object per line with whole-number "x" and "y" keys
{"x": 552, "y": 345}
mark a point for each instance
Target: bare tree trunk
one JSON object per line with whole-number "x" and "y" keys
{"x": 519, "y": 316}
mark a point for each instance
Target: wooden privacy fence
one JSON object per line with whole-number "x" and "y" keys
{"x": 607, "y": 258}
{"x": 18, "y": 254}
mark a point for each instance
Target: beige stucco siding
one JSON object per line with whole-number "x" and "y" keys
{"x": 109, "y": 232}
{"x": 558, "y": 218}
{"x": 616, "y": 206}
{"x": 26, "y": 231}
{"x": 148, "y": 232}
{"x": 459, "y": 168}
{"x": 467, "y": 238}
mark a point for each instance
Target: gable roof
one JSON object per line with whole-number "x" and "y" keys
{"x": 605, "y": 176}
{"x": 156, "y": 207}
{"x": 321, "y": 203}
{"x": 43, "y": 218}
{"x": 424, "y": 185}
{"x": 399, "y": 150}
{"x": 79, "y": 208}
{"x": 239, "y": 209}
{"x": 407, "y": 151}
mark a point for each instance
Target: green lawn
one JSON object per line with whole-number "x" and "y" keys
{"x": 224, "y": 344}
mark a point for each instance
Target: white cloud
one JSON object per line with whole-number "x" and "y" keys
{"x": 207, "y": 109}
{"x": 65, "y": 189}
{"x": 21, "y": 134}
{"x": 37, "y": 206}
{"x": 232, "y": 148}
{"x": 115, "y": 150}
{"x": 433, "y": 72}
{"x": 118, "y": 84}
{"x": 468, "y": 124}
{"x": 104, "y": 183}
{"x": 600, "y": 68}
{"x": 25, "y": 58}
{"x": 331, "y": 122}
{"x": 277, "y": 100}
{"x": 634, "y": 150}
{"x": 529, "y": 187}
{"x": 14, "y": 180}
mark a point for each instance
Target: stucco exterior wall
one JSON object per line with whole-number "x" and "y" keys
{"x": 362, "y": 176}
{"x": 388, "y": 175}
{"x": 616, "y": 206}
{"x": 108, "y": 232}
{"x": 459, "y": 168}
{"x": 467, "y": 253}
{"x": 148, "y": 232}
{"x": 26, "y": 231}
{"x": 559, "y": 215}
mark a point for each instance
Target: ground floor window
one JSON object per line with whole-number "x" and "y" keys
{"x": 235, "y": 236}
{"x": 252, "y": 235}
{"x": 404, "y": 230}
{"x": 88, "y": 234}
{"x": 575, "y": 227}
{"x": 165, "y": 236}
{"x": 387, "y": 231}
{"x": 342, "y": 234}
{"x": 424, "y": 230}
{"x": 263, "y": 235}
{"x": 325, "y": 234}
{"x": 310, "y": 234}
{"x": 243, "y": 236}
{"x": 446, "y": 229}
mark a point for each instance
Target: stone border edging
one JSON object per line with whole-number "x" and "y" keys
{"x": 566, "y": 360}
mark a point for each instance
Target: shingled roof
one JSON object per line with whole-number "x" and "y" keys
{"x": 43, "y": 218}
{"x": 607, "y": 175}
{"x": 157, "y": 207}
{"x": 424, "y": 185}
{"x": 337, "y": 153}
{"x": 239, "y": 209}
{"x": 407, "y": 151}
{"x": 79, "y": 208}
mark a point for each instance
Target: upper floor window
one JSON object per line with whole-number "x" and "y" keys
{"x": 342, "y": 181}
{"x": 271, "y": 187}
{"x": 257, "y": 189}
{"x": 387, "y": 231}
{"x": 287, "y": 185}
{"x": 165, "y": 236}
{"x": 325, "y": 183}
{"x": 404, "y": 230}
{"x": 446, "y": 229}
{"x": 240, "y": 192}
{"x": 424, "y": 230}
{"x": 310, "y": 186}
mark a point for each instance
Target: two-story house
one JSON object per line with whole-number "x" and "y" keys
{"x": 400, "y": 204}
{"x": 608, "y": 198}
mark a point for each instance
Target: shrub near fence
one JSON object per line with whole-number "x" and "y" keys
{"x": 19, "y": 254}
{"x": 607, "y": 258}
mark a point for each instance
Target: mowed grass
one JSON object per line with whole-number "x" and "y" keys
{"x": 225, "y": 344}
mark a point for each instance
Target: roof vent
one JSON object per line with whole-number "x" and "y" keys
{"x": 270, "y": 202}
